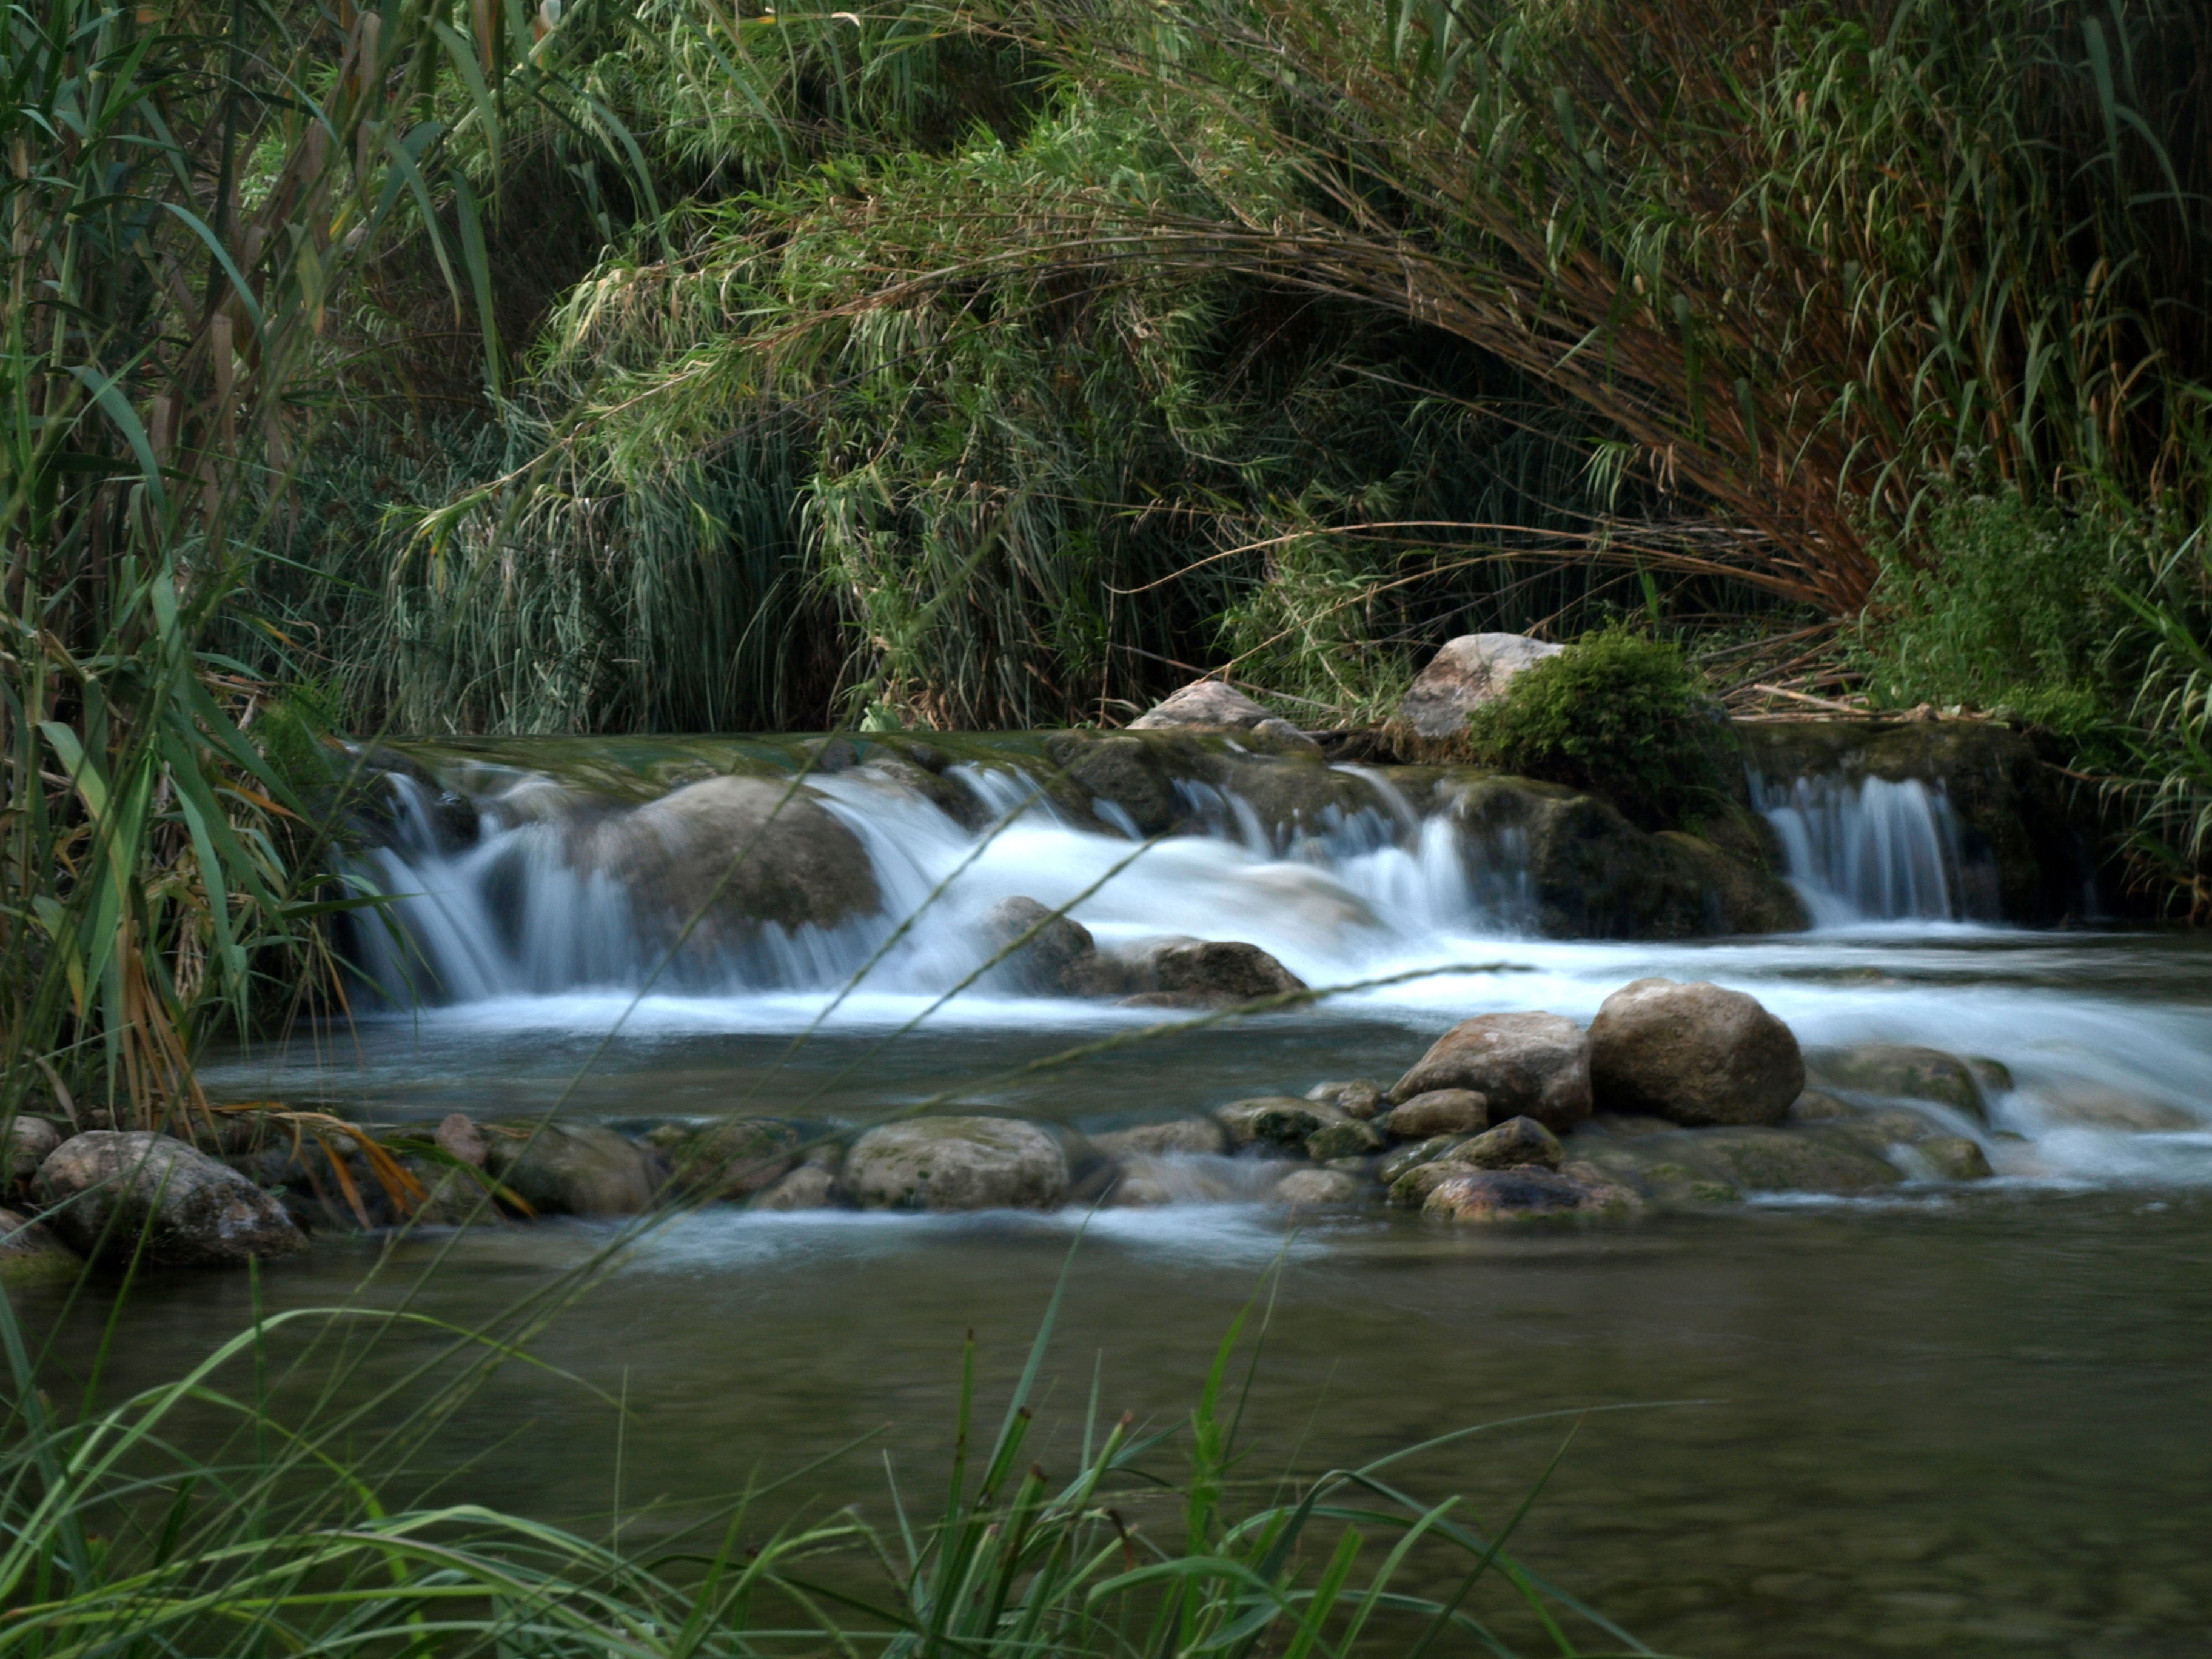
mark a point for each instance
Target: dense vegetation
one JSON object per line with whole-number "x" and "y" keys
{"x": 663, "y": 366}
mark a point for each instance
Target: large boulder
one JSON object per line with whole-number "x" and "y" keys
{"x": 1588, "y": 872}
{"x": 581, "y": 1168}
{"x": 102, "y": 1190}
{"x": 1465, "y": 673}
{"x": 1696, "y": 1054}
{"x": 957, "y": 1163}
{"x": 1036, "y": 949}
{"x": 1212, "y": 973}
{"x": 1533, "y": 1065}
{"x": 743, "y": 851}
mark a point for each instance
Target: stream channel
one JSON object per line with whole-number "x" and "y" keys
{"x": 1964, "y": 1420}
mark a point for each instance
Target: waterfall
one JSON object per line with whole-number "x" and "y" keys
{"x": 1867, "y": 848}
{"x": 529, "y": 904}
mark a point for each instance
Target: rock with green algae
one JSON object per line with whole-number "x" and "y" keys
{"x": 732, "y": 1159}
{"x": 576, "y": 1169}
{"x": 1904, "y": 1071}
{"x": 1347, "y": 1138}
{"x": 1437, "y": 1112}
{"x": 1186, "y": 1135}
{"x": 31, "y": 1254}
{"x": 1279, "y": 1123}
{"x": 957, "y": 1163}
{"x": 1517, "y": 1142}
{"x": 1404, "y": 1160}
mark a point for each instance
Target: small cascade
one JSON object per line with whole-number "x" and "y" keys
{"x": 1868, "y": 848}
{"x": 545, "y": 897}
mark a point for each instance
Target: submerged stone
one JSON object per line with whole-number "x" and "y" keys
{"x": 1903, "y": 1071}
{"x": 1181, "y": 1135}
{"x": 1489, "y": 1195}
{"x": 580, "y": 1169}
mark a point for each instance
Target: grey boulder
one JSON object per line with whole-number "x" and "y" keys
{"x": 1533, "y": 1065}
{"x": 1465, "y": 673}
{"x": 1695, "y": 1054}
{"x": 957, "y": 1163}
{"x": 104, "y": 1189}
{"x": 1035, "y": 948}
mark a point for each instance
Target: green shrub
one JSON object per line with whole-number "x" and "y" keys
{"x": 1617, "y": 713}
{"x": 2016, "y": 614}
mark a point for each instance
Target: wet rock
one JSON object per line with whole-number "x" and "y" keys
{"x": 1406, "y": 1159}
{"x": 809, "y": 1187}
{"x": 1901, "y": 1071}
{"x": 1592, "y": 874}
{"x": 1696, "y": 1054}
{"x": 1808, "y": 1160}
{"x": 24, "y": 1146}
{"x": 1347, "y": 1139}
{"x": 102, "y": 1189}
{"x": 743, "y": 850}
{"x": 1531, "y": 1064}
{"x": 583, "y": 1169}
{"x": 31, "y": 1254}
{"x": 1954, "y": 1157}
{"x": 957, "y": 1163}
{"x": 1489, "y": 1195}
{"x": 1438, "y": 1112}
{"x": 1666, "y": 1181}
{"x": 963, "y": 805}
{"x": 1051, "y": 950}
{"x": 1359, "y": 1098}
{"x": 1315, "y": 1188}
{"x": 1465, "y": 673}
{"x": 1123, "y": 771}
{"x": 1517, "y": 1141}
{"x": 1216, "y": 973}
{"x": 1181, "y": 1135}
{"x": 460, "y": 1139}
{"x": 732, "y": 1159}
{"x": 1289, "y": 795}
{"x": 1817, "y": 1106}
{"x": 2091, "y": 1106}
{"x": 1280, "y": 1121}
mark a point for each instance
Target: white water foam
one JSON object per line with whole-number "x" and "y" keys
{"x": 514, "y": 938}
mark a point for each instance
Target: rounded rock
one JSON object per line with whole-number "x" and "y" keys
{"x": 106, "y": 1188}
{"x": 1313, "y": 1188}
{"x": 1695, "y": 1054}
{"x": 1516, "y": 1143}
{"x": 1532, "y": 1065}
{"x": 957, "y": 1163}
{"x": 1438, "y": 1112}
{"x": 1179, "y": 1134}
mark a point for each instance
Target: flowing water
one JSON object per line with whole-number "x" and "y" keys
{"x": 1964, "y": 1421}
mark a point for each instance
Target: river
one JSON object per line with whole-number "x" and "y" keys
{"x": 1953, "y": 1420}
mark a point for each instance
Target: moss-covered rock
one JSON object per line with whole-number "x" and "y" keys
{"x": 1901, "y": 1071}
{"x": 1593, "y": 875}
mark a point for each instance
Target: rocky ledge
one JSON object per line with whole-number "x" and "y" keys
{"x": 1674, "y": 1095}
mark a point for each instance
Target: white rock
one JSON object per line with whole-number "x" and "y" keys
{"x": 1464, "y": 674}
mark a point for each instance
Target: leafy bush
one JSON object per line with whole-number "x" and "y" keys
{"x": 1617, "y": 713}
{"x": 2018, "y": 613}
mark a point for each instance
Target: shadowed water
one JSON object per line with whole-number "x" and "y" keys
{"x": 1959, "y": 1421}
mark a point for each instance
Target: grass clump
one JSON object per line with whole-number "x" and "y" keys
{"x": 1617, "y": 712}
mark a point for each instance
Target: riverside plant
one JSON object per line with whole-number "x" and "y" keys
{"x": 119, "y": 1537}
{"x": 189, "y": 197}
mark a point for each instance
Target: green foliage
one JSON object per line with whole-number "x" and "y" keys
{"x": 1617, "y": 713}
{"x": 2013, "y": 609}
